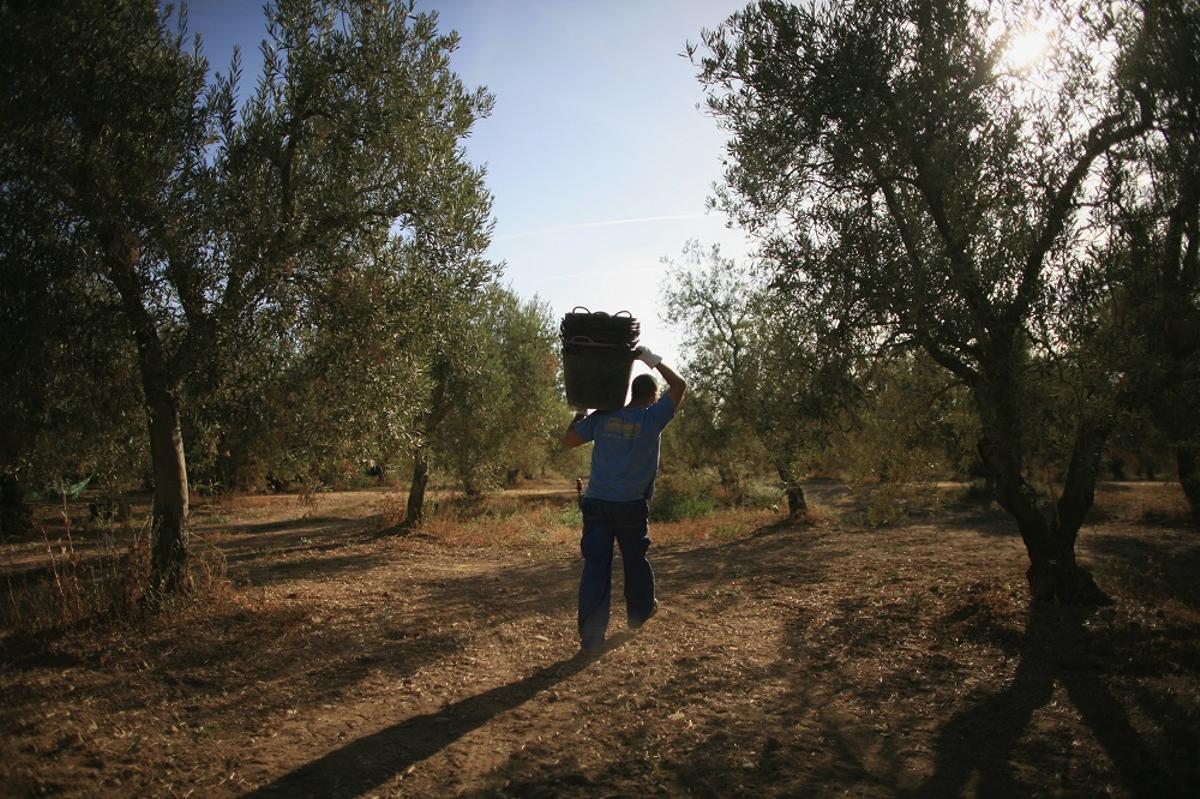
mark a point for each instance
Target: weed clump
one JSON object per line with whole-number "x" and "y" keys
{"x": 107, "y": 585}
{"x": 679, "y": 497}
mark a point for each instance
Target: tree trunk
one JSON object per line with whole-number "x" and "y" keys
{"x": 731, "y": 482}
{"x": 15, "y": 514}
{"x": 1053, "y": 574}
{"x": 160, "y": 388}
{"x": 1187, "y": 460}
{"x": 1170, "y": 408}
{"x": 169, "y": 519}
{"x": 797, "y": 504}
{"x": 415, "y": 510}
{"x": 1049, "y": 531}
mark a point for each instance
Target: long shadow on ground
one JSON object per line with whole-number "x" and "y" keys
{"x": 723, "y": 696}
{"x": 209, "y": 668}
{"x": 1167, "y": 563}
{"x": 982, "y": 739}
{"x": 549, "y": 586}
{"x": 370, "y": 761}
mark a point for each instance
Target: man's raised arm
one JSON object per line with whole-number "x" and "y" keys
{"x": 676, "y": 387}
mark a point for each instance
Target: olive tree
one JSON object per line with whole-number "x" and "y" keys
{"x": 202, "y": 222}
{"x": 494, "y": 408}
{"x": 772, "y": 372}
{"x": 891, "y": 152}
{"x": 506, "y": 416}
{"x": 706, "y": 298}
{"x": 1154, "y": 216}
{"x": 70, "y": 402}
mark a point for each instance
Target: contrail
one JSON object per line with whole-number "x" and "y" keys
{"x": 605, "y": 223}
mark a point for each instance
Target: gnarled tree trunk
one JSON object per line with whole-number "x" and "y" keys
{"x": 797, "y": 504}
{"x": 1049, "y": 532}
{"x": 15, "y": 514}
{"x": 414, "y": 511}
{"x": 1187, "y": 461}
{"x": 170, "y": 535}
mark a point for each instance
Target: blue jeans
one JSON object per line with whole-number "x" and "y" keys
{"x": 627, "y": 523}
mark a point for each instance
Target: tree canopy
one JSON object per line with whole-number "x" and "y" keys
{"x": 766, "y": 371}
{"x": 892, "y": 155}
{"x": 223, "y": 249}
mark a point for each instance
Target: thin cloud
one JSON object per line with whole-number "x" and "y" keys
{"x": 605, "y": 223}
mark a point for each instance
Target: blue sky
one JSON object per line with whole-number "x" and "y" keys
{"x": 598, "y": 157}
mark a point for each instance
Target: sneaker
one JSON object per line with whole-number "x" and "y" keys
{"x": 637, "y": 623}
{"x": 591, "y": 649}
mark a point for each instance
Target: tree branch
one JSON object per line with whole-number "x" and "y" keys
{"x": 1102, "y": 137}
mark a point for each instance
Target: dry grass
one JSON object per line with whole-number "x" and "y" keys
{"x": 1149, "y": 503}
{"x": 103, "y": 584}
{"x": 106, "y": 578}
{"x": 554, "y": 520}
{"x": 814, "y": 660}
{"x": 69, "y": 589}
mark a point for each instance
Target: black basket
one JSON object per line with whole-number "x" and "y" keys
{"x": 598, "y": 357}
{"x": 619, "y": 329}
{"x": 596, "y": 376}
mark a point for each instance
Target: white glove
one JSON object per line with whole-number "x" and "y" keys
{"x": 647, "y": 357}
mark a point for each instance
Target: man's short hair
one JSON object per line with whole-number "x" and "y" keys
{"x": 644, "y": 387}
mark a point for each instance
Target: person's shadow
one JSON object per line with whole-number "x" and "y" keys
{"x": 370, "y": 761}
{"x": 982, "y": 739}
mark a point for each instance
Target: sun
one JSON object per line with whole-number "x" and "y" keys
{"x": 1029, "y": 45}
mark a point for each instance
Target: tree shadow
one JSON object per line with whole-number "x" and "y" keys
{"x": 982, "y": 740}
{"x": 286, "y": 571}
{"x": 314, "y": 533}
{"x": 682, "y": 573}
{"x": 209, "y": 671}
{"x": 370, "y": 761}
{"x": 1166, "y": 563}
{"x": 507, "y": 503}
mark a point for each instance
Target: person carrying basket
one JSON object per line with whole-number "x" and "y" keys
{"x": 615, "y": 507}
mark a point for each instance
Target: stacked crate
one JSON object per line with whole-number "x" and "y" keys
{"x": 598, "y": 353}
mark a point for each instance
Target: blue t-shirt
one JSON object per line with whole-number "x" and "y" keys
{"x": 625, "y": 455}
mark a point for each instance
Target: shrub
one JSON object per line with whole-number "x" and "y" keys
{"x": 71, "y": 588}
{"x": 764, "y": 496}
{"x": 977, "y": 492}
{"x": 893, "y": 503}
{"x": 683, "y": 496}
{"x": 571, "y": 515}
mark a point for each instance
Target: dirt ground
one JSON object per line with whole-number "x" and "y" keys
{"x": 345, "y": 660}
